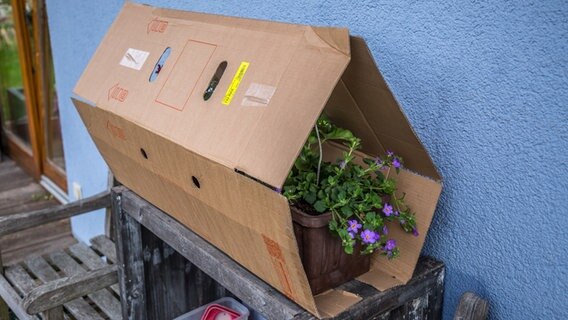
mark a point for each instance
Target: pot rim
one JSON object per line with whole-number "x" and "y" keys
{"x": 308, "y": 220}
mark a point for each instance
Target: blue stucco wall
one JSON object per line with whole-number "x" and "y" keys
{"x": 76, "y": 28}
{"x": 485, "y": 87}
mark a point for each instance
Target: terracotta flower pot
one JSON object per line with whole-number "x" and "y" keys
{"x": 326, "y": 264}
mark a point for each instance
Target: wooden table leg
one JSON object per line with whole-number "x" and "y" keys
{"x": 129, "y": 253}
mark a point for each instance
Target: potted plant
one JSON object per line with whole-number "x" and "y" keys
{"x": 341, "y": 209}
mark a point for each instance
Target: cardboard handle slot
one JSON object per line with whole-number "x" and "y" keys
{"x": 215, "y": 80}
{"x": 160, "y": 64}
{"x": 195, "y": 182}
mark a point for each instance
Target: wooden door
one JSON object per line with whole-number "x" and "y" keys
{"x": 30, "y": 114}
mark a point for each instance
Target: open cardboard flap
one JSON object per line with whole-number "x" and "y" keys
{"x": 207, "y": 162}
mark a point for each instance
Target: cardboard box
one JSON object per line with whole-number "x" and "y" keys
{"x": 213, "y": 164}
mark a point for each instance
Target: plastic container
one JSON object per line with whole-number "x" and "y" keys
{"x": 227, "y": 302}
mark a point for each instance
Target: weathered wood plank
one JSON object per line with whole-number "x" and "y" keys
{"x": 175, "y": 286}
{"x": 19, "y": 196}
{"x": 79, "y": 308}
{"x": 21, "y": 221}
{"x": 376, "y": 302}
{"x": 12, "y": 299}
{"x": 104, "y": 299}
{"x": 60, "y": 291}
{"x": 14, "y": 179}
{"x": 20, "y": 279}
{"x": 471, "y": 307}
{"x": 54, "y": 313}
{"x": 105, "y": 246}
{"x": 36, "y": 241}
{"x": 90, "y": 259}
{"x": 213, "y": 262}
{"x": 129, "y": 253}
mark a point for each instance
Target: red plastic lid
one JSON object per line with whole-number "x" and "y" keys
{"x": 219, "y": 312}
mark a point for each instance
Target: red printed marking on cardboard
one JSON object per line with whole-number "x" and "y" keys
{"x": 279, "y": 265}
{"x": 157, "y": 25}
{"x": 118, "y": 93}
{"x": 116, "y": 131}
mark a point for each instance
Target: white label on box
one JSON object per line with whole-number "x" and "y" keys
{"x": 134, "y": 59}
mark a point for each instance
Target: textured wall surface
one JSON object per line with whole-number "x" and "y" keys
{"x": 486, "y": 89}
{"x": 76, "y": 28}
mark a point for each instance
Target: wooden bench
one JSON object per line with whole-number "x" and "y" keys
{"x": 76, "y": 283}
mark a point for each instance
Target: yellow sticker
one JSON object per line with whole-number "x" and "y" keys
{"x": 235, "y": 83}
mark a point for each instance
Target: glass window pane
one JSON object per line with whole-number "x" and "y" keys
{"x": 12, "y": 97}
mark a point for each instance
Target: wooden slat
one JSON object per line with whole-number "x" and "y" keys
{"x": 79, "y": 308}
{"x": 54, "y": 313}
{"x": 12, "y": 299}
{"x": 106, "y": 301}
{"x": 17, "y": 222}
{"x": 19, "y": 196}
{"x": 471, "y": 307}
{"x": 130, "y": 257}
{"x": 36, "y": 241}
{"x": 14, "y": 180}
{"x": 56, "y": 292}
{"x": 105, "y": 246}
{"x": 20, "y": 279}
{"x": 90, "y": 259}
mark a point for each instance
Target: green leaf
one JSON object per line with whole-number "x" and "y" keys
{"x": 347, "y": 211}
{"x": 310, "y": 197}
{"x": 333, "y": 225}
{"x": 320, "y": 206}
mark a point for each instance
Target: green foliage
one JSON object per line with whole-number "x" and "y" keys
{"x": 361, "y": 198}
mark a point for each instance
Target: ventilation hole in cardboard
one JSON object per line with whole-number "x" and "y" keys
{"x": 160, "y": 64}
{"x": 143, "y": 152}
{"x": 195, "y": 182}
{"x": 215, "y": 80}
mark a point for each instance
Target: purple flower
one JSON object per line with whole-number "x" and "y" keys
{"x": 387, "y": 209}
{"x": 390, "y": 153}
{"x": 396, "y": 163}
{"x": 369, "y": 236}
{"x": 279, "y": 190}
{"x": 354, "y": 226}
{"x": 352, "y": 235}
{"x": 390, "y": 245}
{"x": 396, "y": 213}
{"x": 385, "y": 230}
{"x": 415, "y": 232}
{"x": 378, "y": 161}
{"x": 342, "y": 164}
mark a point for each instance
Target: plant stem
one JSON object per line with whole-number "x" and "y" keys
{"x": 320, "y": 155}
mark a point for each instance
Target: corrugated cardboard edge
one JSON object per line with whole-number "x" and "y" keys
{"x": 373, "y": 98}
{"x": 333, "y": 302}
